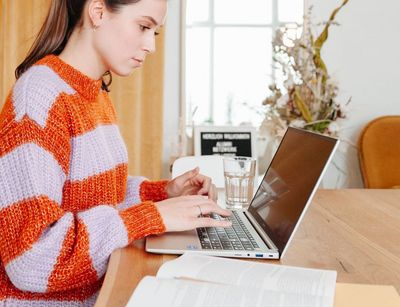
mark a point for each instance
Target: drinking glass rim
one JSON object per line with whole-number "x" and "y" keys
{"x": 239, "y": 158}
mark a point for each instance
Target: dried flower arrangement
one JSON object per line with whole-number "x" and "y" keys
{"x": 308, "y": 97}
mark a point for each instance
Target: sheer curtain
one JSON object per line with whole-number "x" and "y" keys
{"x": 138, "y": 99}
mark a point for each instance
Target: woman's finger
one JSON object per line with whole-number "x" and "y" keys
{"x": 185, "y": 177}
{"x": 210, "y": 222}
{"x": 197, "y": 211}
{"x": 208, "y": 208}
{"x": 212, "y": 194}
{"x": 206, "y": 184}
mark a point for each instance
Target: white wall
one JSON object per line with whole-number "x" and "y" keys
{"x": 362, "y": 54}
{"x": 171, "y": 83}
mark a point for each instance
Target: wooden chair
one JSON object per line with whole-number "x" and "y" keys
{"x": 379, "y": 153}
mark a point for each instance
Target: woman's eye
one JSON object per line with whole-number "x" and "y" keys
{"x": 143, "y": 28}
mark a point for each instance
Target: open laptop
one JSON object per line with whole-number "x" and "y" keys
{"x": 267, "y": 227}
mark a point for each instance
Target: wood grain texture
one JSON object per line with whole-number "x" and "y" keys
{"x": 355, "y": 232}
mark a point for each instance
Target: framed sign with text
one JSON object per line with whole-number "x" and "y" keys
{"x": 225, "y": 140}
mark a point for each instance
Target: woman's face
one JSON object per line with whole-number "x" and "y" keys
{"x": 124, "y": 38}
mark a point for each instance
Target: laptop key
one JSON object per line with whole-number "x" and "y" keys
{"x": 236, "y": 237}
{"x": 227, "y": 246}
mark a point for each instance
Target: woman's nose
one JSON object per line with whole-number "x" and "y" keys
{"x": 150, "y": 44}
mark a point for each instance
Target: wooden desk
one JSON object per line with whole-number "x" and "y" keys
{"x": 355, "y": 232}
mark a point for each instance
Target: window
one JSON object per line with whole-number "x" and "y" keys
{"x": 229, "y": 57}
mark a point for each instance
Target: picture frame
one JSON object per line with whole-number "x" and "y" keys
{"x": 225, "y": 141}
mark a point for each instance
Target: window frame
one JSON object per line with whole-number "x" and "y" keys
{"x": 210, "y": 23}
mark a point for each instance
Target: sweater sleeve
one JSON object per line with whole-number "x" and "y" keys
{"x": 153, "y": 190}
{"x": 43, "y": 247}
{"x": 139, "y": 189}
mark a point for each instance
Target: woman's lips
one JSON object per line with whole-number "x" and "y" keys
{"x": 140, "y": 61}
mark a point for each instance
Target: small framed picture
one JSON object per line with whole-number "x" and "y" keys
{"x": 225, "y": 140}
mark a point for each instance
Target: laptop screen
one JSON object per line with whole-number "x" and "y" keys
{"x": 289, "y": 183}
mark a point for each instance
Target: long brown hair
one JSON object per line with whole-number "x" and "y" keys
{"x": 63, "y": 17}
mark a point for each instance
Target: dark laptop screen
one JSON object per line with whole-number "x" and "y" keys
{"x": 289, "y": 182}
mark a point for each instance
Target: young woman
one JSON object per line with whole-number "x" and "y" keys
{"x": 66, "y": 200}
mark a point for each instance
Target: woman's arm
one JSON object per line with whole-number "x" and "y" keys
{"x": 139, "y": 189}
{"x": 43, "y": 247}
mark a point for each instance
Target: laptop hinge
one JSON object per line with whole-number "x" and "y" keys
{"x": 260, "y": 231}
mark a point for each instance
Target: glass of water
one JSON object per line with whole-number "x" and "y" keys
{"x": 239, "y": 173}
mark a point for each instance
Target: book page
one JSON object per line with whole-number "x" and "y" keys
{"x": 251, "y": 274}
{"x": 152, "y": 291}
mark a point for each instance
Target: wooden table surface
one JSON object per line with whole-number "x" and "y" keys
{"x": 355, "y": 232}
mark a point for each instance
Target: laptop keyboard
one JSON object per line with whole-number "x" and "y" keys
{"x": 236, "y": 237}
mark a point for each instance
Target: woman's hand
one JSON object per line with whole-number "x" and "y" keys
{"x": 191, "y": 183}
{"x": 186, "y": 213}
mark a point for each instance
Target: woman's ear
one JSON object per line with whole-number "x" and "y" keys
{"x": 96, "y": 10}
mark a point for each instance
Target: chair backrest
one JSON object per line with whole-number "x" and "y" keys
{"x": 379, "y": 153}
{"x": 211, "y": 166}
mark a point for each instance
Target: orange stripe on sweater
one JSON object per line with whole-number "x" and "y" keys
{"x": 22, "y": 224}
{"x": 153, "y": 190}
{"x": 74, "y": 267}
{"x": 106, "y": 188}
{"x": 83, "y": 84}
{"x": 142, "y": 220}
{"x": 7, "y": 290}
{"x": 54, "y": 137}
{"x": 87, "y": 116}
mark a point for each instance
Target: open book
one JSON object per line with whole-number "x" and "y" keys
{"x": 199, "y": 280}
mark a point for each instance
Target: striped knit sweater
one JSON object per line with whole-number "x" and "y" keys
{"x": 66, "y": 200}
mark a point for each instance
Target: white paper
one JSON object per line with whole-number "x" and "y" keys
{"x": 251, "y": 274}
{"x": 182, "y": 293}
{"x": 227, "y": 282}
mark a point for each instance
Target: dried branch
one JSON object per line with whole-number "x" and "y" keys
{"x": 307, "y": 97}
